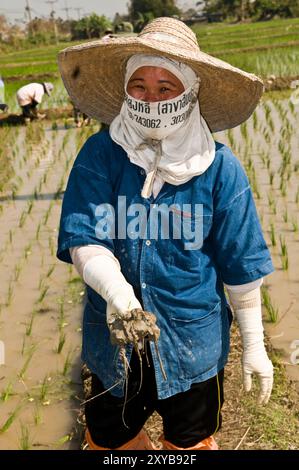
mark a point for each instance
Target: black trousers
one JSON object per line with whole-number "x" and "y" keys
{"x": 30, "y": 110}
{"x": 188, "y": 417}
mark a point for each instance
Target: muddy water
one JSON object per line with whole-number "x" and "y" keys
{"x": 41, "y": 303}
{"x": 283, "y": 284}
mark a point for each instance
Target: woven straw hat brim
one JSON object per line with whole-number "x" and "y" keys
{"x": 93, "y": 74}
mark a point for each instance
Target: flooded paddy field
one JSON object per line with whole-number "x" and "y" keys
{"x": 40, "y": 297}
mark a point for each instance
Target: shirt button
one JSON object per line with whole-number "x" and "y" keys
{"x": 142, "y": 172}
{"x": 148, "y": 242}
{"x": 143, "y": 285}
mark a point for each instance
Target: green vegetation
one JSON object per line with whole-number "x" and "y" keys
{"x": 264, "y": 48}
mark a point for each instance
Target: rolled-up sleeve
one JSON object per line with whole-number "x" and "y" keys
{"x": 240, "y": 250}
{"x": 87, "y": 200}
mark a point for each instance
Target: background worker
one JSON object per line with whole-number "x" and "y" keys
{"x": 30, "y": 96}
{"x": 3, "y": 105}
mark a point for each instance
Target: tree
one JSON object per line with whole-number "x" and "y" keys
{"x": 238, "y": 9}
{"x": 266, "y": 9}
{"x": 92, "y": 26}
{"x": 257, "y": 9}
{"x": 152, "y": 9}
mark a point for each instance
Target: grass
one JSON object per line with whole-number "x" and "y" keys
{"x": 277, "y": 423}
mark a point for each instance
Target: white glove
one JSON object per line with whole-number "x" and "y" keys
{"x": 247, "y": 308}
{"x": 103, "y": 274}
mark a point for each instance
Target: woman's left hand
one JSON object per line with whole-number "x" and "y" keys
{"x": 255, "y": 361}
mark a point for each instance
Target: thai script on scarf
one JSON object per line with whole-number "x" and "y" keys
{"x": 163, "y": 107}
{"x": 159, "y": 119}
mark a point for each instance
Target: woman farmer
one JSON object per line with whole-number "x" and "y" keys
{"x": 159, "y": 217}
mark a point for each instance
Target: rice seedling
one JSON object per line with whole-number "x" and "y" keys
{"x": 23, "y": 345}
{"x": 22, "y": 219}
{"x": 17, "y": 271}
{"x": 284, "y": 254}
{"x": 67, "y": 363}
{"x": 27, "y": 251}
{"x": 10, "y": 420}
{"x": 7, "y": 392}
{"x": 25, "y": 443}
{"x": 268, "y": 111}
{"x": 295, "y": 225}
{"x": 62, "y": 441}
{"x": 272, "y": 311}
{"x": 29, "y": 206}
{"x": 44, "y": 389}
{"x": 29, "y": 326}
{"x": 283, "y": 246}
{"x": 25, "y": 366}
{"x": 254, "y": 184}
{"x": 267, "y": 161}
{"x": 285, "y": 262}
{"x": 297, "y": 196}
{"x": 272, "y": 234}
{"x": 285, "y": 216}
{"x": 46, "y": 216}
{"x": 37, "y": 415}
{"x": 292, "y": 108}
{"x": 271, "y": 177}
{"x": 42, "y": 294}
{"x": 272, "y": 203}
{"x": 38, "y": 231}
{"x": 296, "y": 167}
{"x": 50, "y": 271}
{"x": 61, "y": 342}
{"x": 9, "y": 294}
{"x": 61, "y": 320}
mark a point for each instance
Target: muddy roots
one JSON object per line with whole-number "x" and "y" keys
{"x": 134, "y": 328}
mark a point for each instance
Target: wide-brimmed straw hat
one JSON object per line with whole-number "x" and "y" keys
{"x": 93, "y": 74}
{"x": 48, "y": 87}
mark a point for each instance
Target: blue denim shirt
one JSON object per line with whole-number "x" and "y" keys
{"x": 183, "y": 288}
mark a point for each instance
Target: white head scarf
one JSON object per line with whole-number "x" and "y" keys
{"x": 177, "y": 156}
